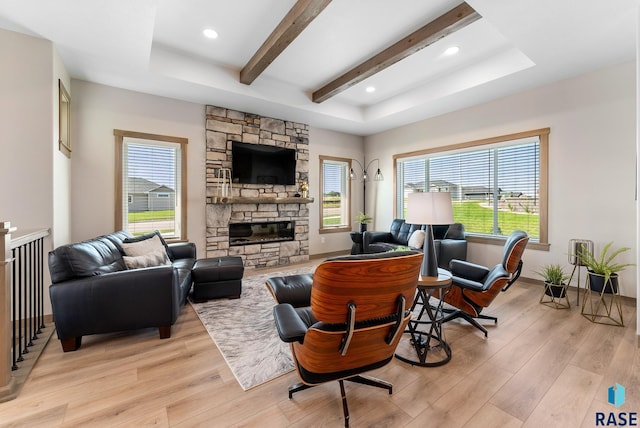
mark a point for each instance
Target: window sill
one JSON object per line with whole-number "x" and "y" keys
{"x": 335, "y": 230}
{"x": 491, "y": 240}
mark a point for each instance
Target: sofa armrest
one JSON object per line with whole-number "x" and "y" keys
{"x": 371, "y": 237}
{"x": 182, "y": 250}
{"x": 116, "y": 301}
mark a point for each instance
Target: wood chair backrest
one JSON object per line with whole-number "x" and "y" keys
{"x": 374, "y": 286}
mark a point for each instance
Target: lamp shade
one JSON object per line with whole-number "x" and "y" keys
{"x": 429, "y": 208}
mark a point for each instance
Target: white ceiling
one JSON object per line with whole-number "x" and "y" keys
{"x": 157, "y": 47}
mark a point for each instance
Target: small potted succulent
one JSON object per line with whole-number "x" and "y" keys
{"x": 363, "y": 219}
{"x": 602, "y": 271}
{"x": 554, "y": 278}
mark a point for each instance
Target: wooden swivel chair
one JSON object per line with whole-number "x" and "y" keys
{"x": 360, "y": 306}
{"x": 474, "y": 287}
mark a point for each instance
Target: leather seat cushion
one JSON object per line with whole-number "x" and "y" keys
{"x": 292, "y": 289}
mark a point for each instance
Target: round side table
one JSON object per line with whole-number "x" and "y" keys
{"x": 425, "y": 333}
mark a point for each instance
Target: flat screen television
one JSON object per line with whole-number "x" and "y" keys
{"x": 260, "y": 164}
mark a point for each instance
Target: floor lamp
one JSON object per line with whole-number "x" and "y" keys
{"x": 429, "y": 208}
{"x": 377, "y": 177}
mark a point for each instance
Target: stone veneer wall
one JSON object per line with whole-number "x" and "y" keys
{"x": 224, "y": 126}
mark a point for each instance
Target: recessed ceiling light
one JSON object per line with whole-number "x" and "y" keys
{"x": 210, "y": 33}
{"x": 370, "y": 89}
{"x": 452, "y": 50}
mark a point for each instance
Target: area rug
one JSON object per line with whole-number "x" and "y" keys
{"x": 245, "y": 333}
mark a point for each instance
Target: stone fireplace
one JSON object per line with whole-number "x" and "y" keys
{"x": 265, "y": 210}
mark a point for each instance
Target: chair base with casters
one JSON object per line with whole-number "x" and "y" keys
{"x": 475, "y": 287}
{"x": 350, "y": 327}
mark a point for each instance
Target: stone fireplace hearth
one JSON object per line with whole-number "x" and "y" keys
{"x": 247, "y": 204}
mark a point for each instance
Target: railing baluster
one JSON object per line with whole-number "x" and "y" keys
{"x": 32, "y": 300}
{"x": 21, "y": 303}
{"x": 19, "y": 319}
{"x": 39, "y": 287}
{"x": 15, "y": 345}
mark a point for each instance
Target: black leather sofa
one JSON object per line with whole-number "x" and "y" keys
{"x": 93, "y": 292}
{"x": 450, "y": 240}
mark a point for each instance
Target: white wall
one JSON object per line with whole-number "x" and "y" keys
{"x": 26, "y": 115}
{"x": 637, "y": 176}
{"x": 35, "y": 174}
{"x": 61, "y": 180}
{"x": 592, "y": 160}
{"x": 97, "y": 110}
{"x": 330, "y": 143}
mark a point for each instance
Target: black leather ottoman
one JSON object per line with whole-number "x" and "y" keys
{"x": 217, "y": 277}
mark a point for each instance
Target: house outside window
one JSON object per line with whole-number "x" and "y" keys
{"x": 151, "y": 185}
{"x": 335, "y": 209}
{"x": 497, "y": 185}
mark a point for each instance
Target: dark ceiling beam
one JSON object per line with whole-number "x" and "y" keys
{"x": 452, "y": 21}
{"x": 296, "y": 20}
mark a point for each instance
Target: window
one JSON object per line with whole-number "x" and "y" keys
{"x": 335, "y": 210}
{"x": 151, "y": 185}
{"x": 497, "y": 185}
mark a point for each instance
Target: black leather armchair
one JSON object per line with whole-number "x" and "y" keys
{"x": 450, "y": 240}
{"x": 359, "y": 308}
{"x": 474, "y": 287}
{"x": 92, "y": 292}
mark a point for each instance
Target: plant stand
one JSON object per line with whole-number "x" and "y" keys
{"x": 555, "y": 296}
{"x": 576, "y": 245}
{"x": 602, "y": 306}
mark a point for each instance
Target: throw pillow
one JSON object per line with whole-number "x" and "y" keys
{"x": 155, "y": 258}
{"x": 416, "y": 240}
{"x": 149, "y": 236}
{"x": 144, "y": 247}
{"x": 455, "y": 231}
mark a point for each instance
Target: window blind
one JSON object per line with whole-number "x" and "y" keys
{"x": 151, "y": 186}
{"x": 494, "y": 189}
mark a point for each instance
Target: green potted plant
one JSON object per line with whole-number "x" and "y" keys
{"x": 363, "y": 219}
{"x": 554, "y": 278}
{"x": 602, "y": 270}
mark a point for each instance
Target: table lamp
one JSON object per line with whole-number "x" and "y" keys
{"x": 429, "y": 208}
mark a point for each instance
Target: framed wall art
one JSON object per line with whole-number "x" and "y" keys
{"x": 64, "y": 100}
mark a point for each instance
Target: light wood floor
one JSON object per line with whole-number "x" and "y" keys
{"x": 540, "y": 367}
